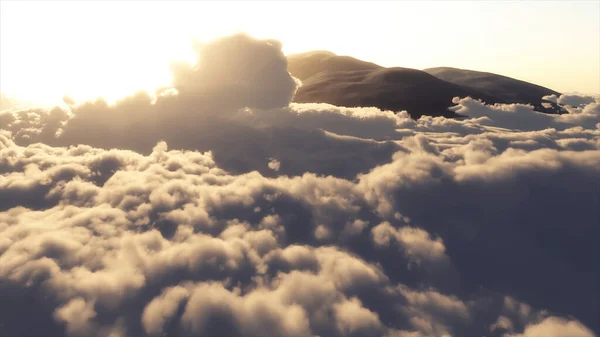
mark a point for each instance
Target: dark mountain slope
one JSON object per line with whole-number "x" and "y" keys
{"x": 305, "y": 65}
{"x": 346, "y": 81}
{"x": 508, "y": 89}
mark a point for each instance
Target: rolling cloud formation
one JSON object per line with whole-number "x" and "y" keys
{"x": 219, "y": 208}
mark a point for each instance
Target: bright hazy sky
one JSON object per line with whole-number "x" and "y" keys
{"x": 86, "y": 49}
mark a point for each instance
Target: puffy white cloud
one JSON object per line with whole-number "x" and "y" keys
{"x": 415, "y": 242}
{"x": 125, "y": 243}
{"x": 188, "y": 215}
{"x": 503, "y": 323}
{"x": 575, "y": 100}
{"x": 555, "y": 327}
{"x": 431, "y": 313}
{"x": 274, "y": 164}
{"x": 235, "y": 72}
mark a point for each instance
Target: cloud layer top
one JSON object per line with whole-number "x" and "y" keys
{"x": 219, "y": 208}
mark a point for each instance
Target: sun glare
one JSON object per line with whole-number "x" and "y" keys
{"x": 87, "y": 52}
{"x": 92, "y": 49}
{"x": 111, "y": 49}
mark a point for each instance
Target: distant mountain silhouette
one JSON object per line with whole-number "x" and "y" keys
{"x": 346, "y": 81}
{"x": 508, "y": 89}
{"x": 305, "y": 65}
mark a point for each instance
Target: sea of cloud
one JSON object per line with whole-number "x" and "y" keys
{"x": 219, "y": 208}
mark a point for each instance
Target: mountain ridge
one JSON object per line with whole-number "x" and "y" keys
{"x": 507, "y": 88}
{"x": 347, "y": 81}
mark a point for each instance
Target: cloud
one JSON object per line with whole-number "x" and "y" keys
{"x": 274, "y": 164}
{"x": 575, "y": 100}
{"x": 116, "y": 229}
{"x": 581, "y": 111}
{"x": 236, "y": 72}
{"x": 555, "y": 326}
{"x": 170, "y": 217}
{"x": 415, "y": 242}
{"x": 232, "y": 102}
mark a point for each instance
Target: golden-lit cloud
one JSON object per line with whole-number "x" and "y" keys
{"x": 222, "y": 208}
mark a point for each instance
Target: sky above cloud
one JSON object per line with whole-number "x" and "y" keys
{"x": 550, "y": 43}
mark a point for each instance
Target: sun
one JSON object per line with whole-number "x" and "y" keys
{"x": 89, "y": 50}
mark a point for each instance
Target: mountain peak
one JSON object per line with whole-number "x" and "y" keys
{"x": 347, "y": 81}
